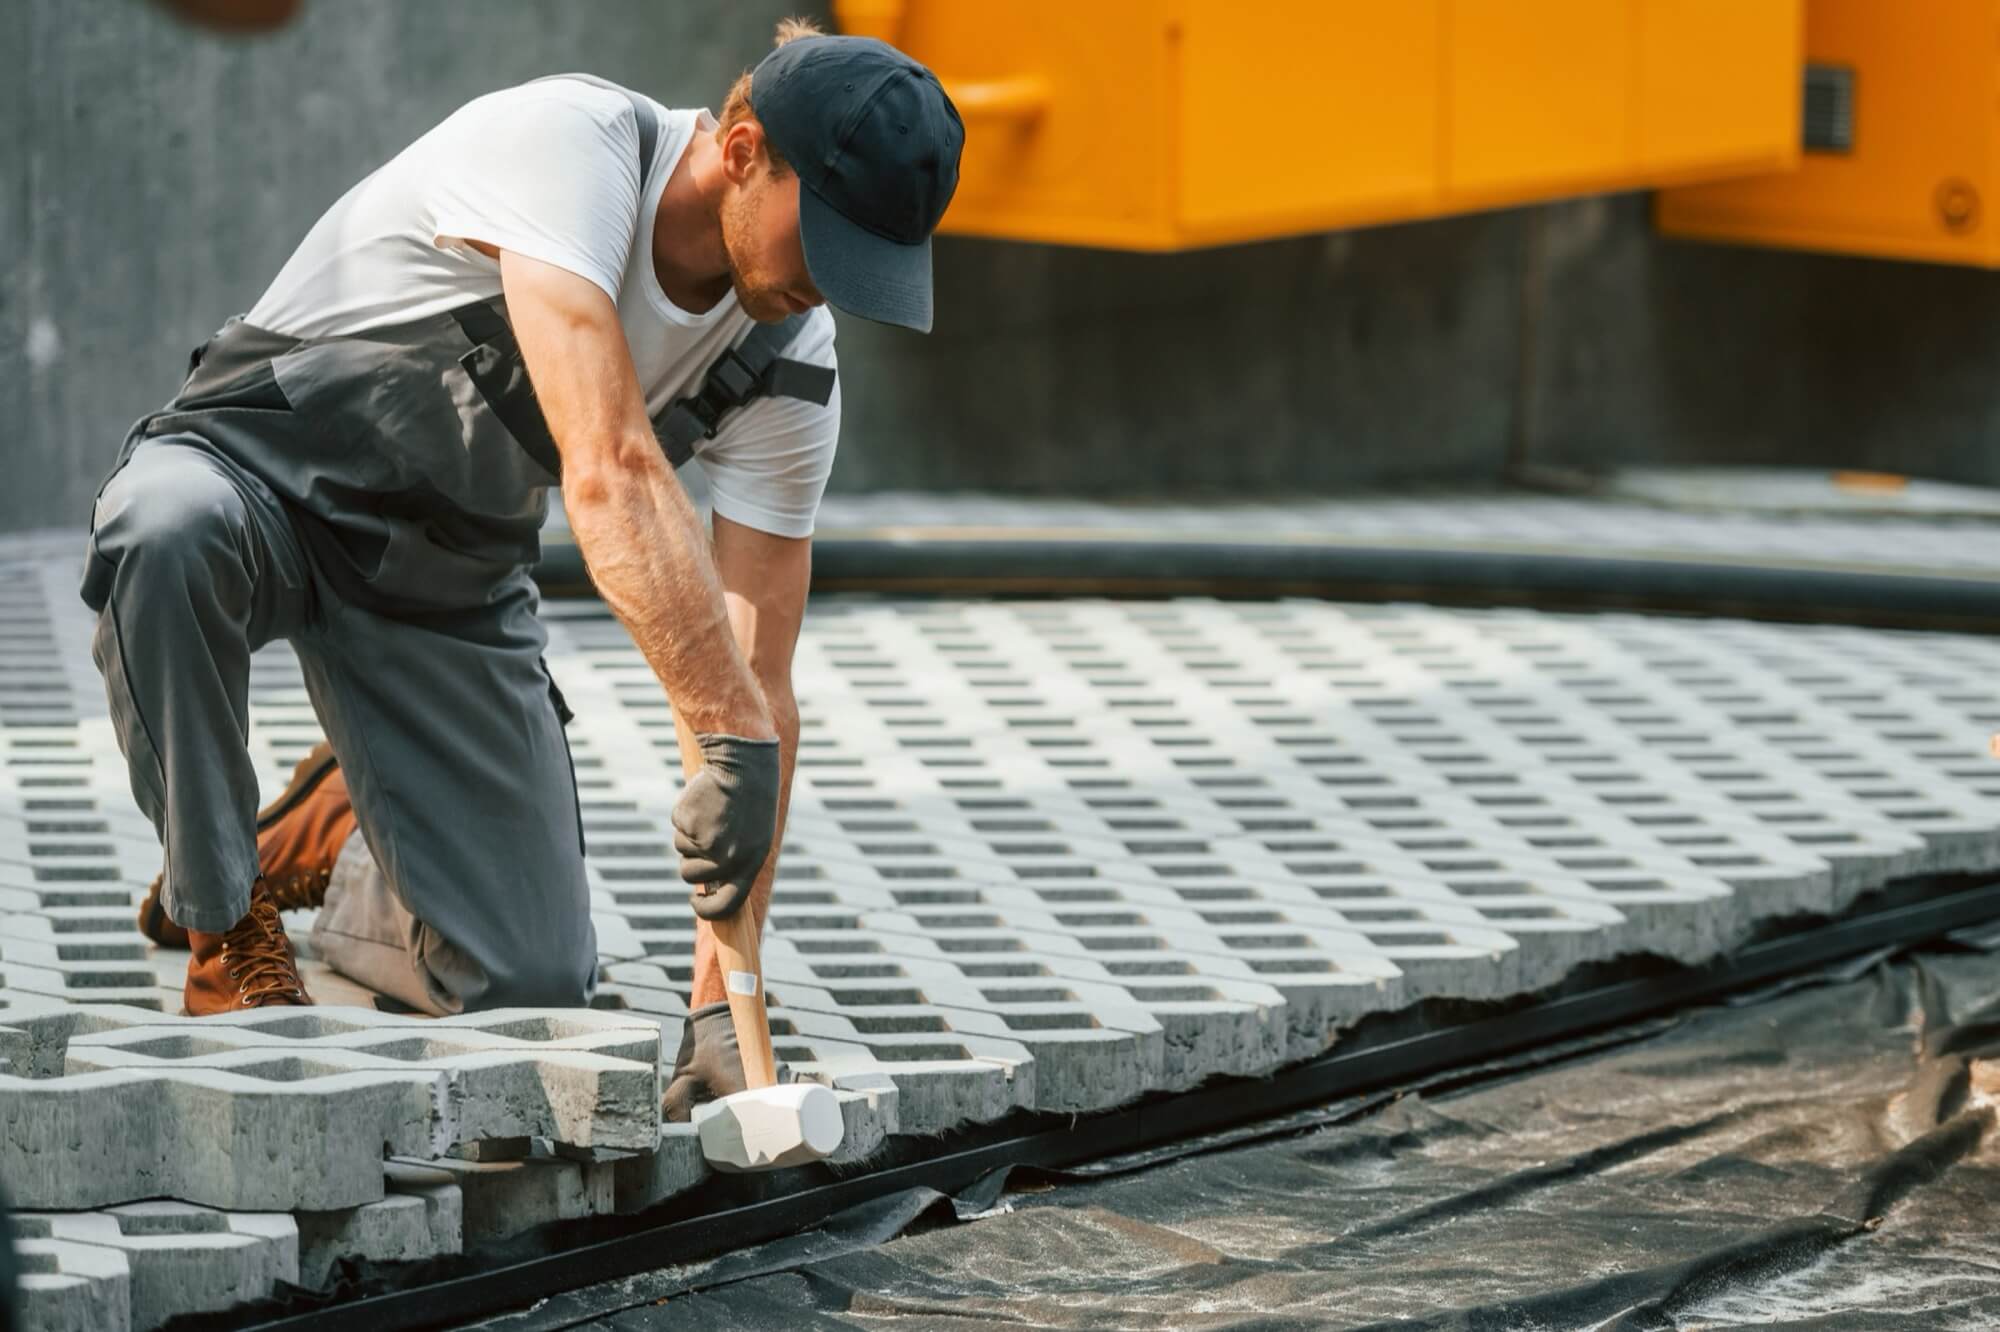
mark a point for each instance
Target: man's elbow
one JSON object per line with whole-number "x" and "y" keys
{"x": 603, "y": 470}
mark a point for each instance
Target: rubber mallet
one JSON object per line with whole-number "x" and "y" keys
{"x": 767, "y": 1125}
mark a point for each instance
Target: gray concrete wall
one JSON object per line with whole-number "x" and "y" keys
{"x": 1318, "y": 362}
{"x": 1395, "y": 354}
{"x": 156, "y": 177}
{"x": 1670, "y": 351}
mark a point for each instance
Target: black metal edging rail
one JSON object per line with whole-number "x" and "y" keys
{"x": 1468, "y": 574}
{"x": 694, "y": 1235}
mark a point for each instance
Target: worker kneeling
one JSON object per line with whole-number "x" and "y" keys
{"x": 563, "y": 282}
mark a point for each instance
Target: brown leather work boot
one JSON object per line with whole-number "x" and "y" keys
{"x": 308, "y": 778}
{"x": 248, "y": 966}
{"x": 296, "y": 851}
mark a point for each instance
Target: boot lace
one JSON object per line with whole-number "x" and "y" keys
{"x": 258, "y": 958}
{"x": 294, "y": 892}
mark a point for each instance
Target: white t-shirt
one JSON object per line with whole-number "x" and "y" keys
{"x": 551, "y": 170}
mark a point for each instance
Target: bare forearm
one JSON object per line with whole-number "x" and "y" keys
{"x": 648, "y": 553}
{"x": 640, "y": 538}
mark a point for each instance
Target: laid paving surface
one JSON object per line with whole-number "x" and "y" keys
{"x": 1048, "y": 855}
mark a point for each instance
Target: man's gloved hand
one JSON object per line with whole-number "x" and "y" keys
{"x": 725, "y": 819}
{"x": 709, "y": 1066}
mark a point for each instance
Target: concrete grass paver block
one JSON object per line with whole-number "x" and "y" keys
{"x": 581, "y": 1098}
{"x": 870, "y": 1114}
{"x": 71, "y": 1287}
{"x": 300, "y": 1135}
{"x": 503, "y": 1198}
{"x": 512, "y": 1073}
{"x": 421, "y": 1214}
{"x": 1084, "y": 1060}
{"x": 181, "y": 1258}
{"x": 1210, "y": 1023}
{"x": 942, "y": 1079}
{"x": 673, "y": 1167}
{"x": 35, "y": 969}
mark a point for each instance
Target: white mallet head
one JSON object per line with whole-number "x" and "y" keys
{"x": 769, "y": 1127}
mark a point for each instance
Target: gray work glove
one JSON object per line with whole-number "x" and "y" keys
{"x": 709, "y": 1066}
{"x": 725, "y": 820}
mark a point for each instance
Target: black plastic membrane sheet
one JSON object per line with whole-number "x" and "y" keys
{"x": 1820, "y": 1155}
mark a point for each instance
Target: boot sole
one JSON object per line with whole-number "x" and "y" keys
{"x": 309, "y": 1003}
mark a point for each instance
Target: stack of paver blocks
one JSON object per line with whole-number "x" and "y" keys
{"x": 1045, "y": 857}
{"x": 290, "y": 1140}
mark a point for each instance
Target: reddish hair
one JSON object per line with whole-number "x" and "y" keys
{"x": 736, "y": 106}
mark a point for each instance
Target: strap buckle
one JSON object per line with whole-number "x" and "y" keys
{"x": 730, "y": 383}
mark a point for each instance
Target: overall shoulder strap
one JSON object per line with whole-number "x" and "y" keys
{"x": 642, "y": 107}
{"x": 749, "y": 370}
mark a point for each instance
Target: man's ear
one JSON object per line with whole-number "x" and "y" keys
{"x": 742, "y": 146}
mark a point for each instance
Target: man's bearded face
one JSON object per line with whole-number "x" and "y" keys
{"x": 767, "y": 262}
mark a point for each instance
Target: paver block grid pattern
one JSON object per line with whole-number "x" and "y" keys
{"x": 1042, "y": 855}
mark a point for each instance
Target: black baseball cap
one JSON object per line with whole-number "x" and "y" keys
{"x": 875, "y": 142}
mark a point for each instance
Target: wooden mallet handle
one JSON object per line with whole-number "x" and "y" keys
{"x": 742, "y": 973}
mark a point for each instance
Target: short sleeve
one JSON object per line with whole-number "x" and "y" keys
{"x": 550, "y": 171}
{"x": 768, "y": 465}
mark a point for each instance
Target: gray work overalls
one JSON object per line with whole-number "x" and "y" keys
{"x": 376, "y": 499}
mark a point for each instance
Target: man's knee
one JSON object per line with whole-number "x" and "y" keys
{"x": 495, "y": 965}
{"x": 539, "y": 978}
{"x": 170, "y": 506}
